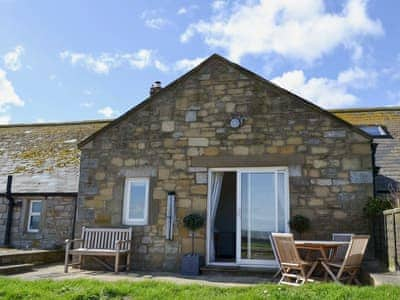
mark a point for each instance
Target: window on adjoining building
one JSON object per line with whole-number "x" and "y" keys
{"x": 34, "y": 217}
{"x": 376, "y": 131}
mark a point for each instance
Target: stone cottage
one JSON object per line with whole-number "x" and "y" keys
{"x": 39, "y": 203}
{"x": 234, "y": 147}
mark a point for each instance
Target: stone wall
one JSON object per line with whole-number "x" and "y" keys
{"x": 181, "y": 132}
{"x": 56, "y": 223}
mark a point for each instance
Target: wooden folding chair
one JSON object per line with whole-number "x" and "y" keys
{"x": 295, "y": 271}
{"x": 348, "y": 269}
{"x": 339, "y": 254}
{"x": 276, "y": 258}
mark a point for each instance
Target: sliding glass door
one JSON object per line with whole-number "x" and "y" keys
{"x": 262, "y": 208}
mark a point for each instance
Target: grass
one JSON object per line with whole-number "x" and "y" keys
{"x": 93, "y": 290}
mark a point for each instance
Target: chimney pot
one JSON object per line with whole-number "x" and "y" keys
{"x": 155, "y": 87}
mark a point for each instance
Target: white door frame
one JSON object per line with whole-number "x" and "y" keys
{"x": 239, "y": 171}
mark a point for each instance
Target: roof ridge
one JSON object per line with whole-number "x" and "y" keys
{"x": 365, "y": 109}
{"x": 82, "y": 122}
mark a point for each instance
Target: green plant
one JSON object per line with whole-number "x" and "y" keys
{"x": 375, "y": 206}
{"x": 193, "y": 222}
{"x": 299, "y": 224}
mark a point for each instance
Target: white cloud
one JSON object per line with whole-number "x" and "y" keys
{"x": 4, "y": 120}
{"x": 156, "y": 23}
{"x": 40, "y": 121}
{"x": 394, "y": 97}
{"x": 152, "y": 19}
{"x": 161, "y": 66}
{"x": 357, "y": 78}
{"x": 107, "y": 112}
{"x": 53, "y": 77}
{"x": 218, "y": 4}
{"x": 187, "y": 64}
{"x": 8, "y": 96}
{"x": 140, "y": 59}
{"x": 300, "y": 29}
{"x": 12, "y": 59}
{"x": 186, "y": 9}
{"x": 87, "y": 104}
{"x": 105, "y": 62}
{"x": 182, "y": 11}
{"x": 325, "y": 92}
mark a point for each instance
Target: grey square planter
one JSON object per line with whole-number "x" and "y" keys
{"x": 191, "y": 264}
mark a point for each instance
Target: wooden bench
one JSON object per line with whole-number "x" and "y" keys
{"x": 101, "y": 242}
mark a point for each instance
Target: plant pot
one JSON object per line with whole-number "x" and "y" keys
{"x": 191, "y": 264}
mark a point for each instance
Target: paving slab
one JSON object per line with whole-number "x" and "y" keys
{"x": 56, "y": 272}
{"x": 377, "y": 279}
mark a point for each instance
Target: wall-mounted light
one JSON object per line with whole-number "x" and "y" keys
{"x": 170, "y": 218}
{"x": 236, "y": 122}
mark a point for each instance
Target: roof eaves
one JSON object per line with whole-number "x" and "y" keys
{"x": 364, "y": 109}
{"x": 86, "y": 122}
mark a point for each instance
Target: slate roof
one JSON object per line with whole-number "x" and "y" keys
{"x": 43, "y": 158}
{"x": 388, "y": 150}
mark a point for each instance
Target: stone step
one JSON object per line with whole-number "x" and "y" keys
{"x": 15, "y": 269}
{"x": 238, "y": 271}
{"x": 36, "y": 257}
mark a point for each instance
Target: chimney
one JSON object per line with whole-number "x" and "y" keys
{"x": 155, "y": 87}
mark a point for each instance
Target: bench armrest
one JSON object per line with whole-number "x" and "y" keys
{"x": 68, "y": 243}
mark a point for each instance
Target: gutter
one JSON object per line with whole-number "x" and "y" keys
{"x": 11, "y": 204}
{"x": 42, "y": 194}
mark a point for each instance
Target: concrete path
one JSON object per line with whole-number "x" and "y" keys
{"x": 385, "y": 278}
{"x": 56, "y": 272}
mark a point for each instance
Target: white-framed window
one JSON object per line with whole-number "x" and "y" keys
{"x": 35, "y": 211}
{"x": 136, "y": 201}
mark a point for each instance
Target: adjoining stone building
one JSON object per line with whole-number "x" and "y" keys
{"x": 43, "y": 160}
{"x": 383, "y": 123}
{"x": 234, "y": 147}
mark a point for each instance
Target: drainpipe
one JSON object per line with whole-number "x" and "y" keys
{"x": 11, "y": 204}
{"x": 375, "y": 169}
{"x": 74, "y": 218}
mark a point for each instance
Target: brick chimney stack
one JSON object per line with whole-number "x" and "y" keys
{"x": 155, "y": 87}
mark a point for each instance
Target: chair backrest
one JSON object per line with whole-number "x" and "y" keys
{"x": 274, "y": 249}
{"x": 105, "y": 238}
{"x": 355, "y": 252}
{"x": 340, "y": 252}
{"x": 286, "y": 248}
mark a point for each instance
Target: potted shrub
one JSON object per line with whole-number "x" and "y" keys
{"x": 299, "y": 224}
{"x": 191, "y": 262}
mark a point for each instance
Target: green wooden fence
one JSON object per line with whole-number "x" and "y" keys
{"x": 392, "y": 233}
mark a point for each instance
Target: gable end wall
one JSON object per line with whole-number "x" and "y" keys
{"x": 173, "y": 138}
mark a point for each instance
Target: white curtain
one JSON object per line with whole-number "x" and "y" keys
{"x": 216, "y": 184}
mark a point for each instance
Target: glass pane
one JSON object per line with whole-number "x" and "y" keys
{"x": 34, "y": 223}
{"x": 36, "y": 207}
{"x": 137, "y": 201}
{"x": 281, "y": 203}
{"x": 257, "y": 215}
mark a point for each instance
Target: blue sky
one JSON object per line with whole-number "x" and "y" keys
{"x": 93, "y": 59}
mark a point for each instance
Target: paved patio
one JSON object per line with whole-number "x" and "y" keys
{"x": 56, "y": 272}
